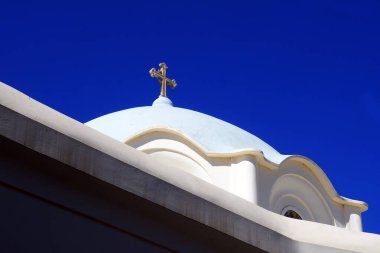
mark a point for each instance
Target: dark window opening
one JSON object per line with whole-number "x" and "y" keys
{"x": 292, "y": 214}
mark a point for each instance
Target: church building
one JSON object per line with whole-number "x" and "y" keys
{"x": 161, "y": 179}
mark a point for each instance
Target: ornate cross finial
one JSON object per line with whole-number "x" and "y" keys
{"x": 162, "y": 79}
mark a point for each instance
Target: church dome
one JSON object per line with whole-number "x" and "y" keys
{"x": 211, "y": 134}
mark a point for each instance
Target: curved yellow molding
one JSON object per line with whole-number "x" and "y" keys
{"x": 312, "y": 167}
{"x": 315, "y": 170}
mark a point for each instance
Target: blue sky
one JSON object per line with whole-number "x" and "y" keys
{"x": 304, "y": 76}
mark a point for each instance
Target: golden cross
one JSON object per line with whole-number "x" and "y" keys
{"x": 162, "y": 79}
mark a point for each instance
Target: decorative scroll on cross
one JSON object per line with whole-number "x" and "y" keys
{"x": 162, "y": 79}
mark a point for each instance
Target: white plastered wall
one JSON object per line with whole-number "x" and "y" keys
{"x": 289, "y": 186}
{"x": 234, "y": 174}
{"x": 293, "y": 187}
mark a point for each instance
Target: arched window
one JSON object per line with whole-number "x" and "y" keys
{"x": 292, "y": 214}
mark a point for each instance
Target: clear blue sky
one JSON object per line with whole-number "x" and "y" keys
{"x": 303, "y": 76}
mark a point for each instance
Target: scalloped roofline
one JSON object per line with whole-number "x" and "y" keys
{"x": 267, "y": 161}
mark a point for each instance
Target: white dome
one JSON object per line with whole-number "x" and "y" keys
{"x": 210, "y": 133}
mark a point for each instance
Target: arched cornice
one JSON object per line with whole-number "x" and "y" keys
{"x": 262, "y": 159}
{"x": 319, "y": 174}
